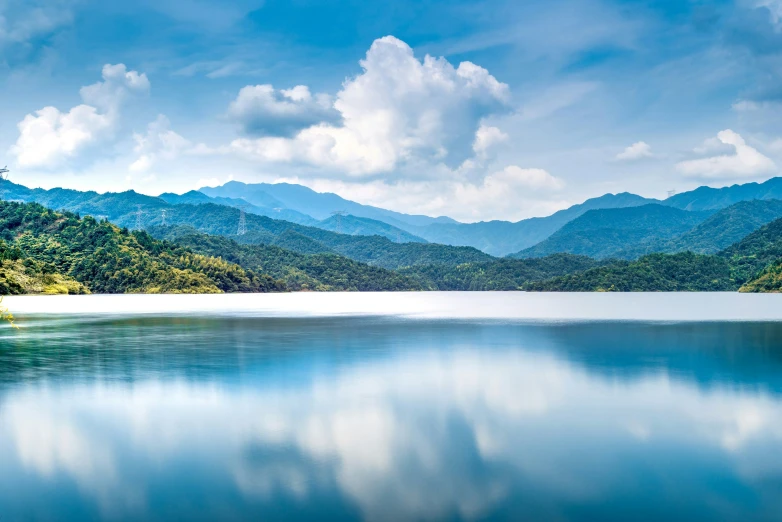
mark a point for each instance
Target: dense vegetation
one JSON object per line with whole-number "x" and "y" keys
{"x": 716, "y": 233}
{"x": 769, "y": 280}
{"x": 752, "y": 255}
{"x": 653, "y": 273}
{"x": 43, "y": 251}
{"x": 374, "y": 250}
{"x": 359, "y": 226}
{"x": 47, "y": 251}
{"x": 501, "y": 238}
{"x": 754, "y": 264}
{"x": 322, "y": 272}
{"x": 503, "y": 274}
{"x": 605, "y": 233}
{"x": 222, "y": 219}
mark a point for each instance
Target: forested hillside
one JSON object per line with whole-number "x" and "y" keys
{"x": 716, "y": 233}
{"x": 321, "y": 272}
{"x": 502, "y": 274}
{"x": 686, "y": 272}
{"x": 359, "y": 226}
{"x": 606, "y": 233}
{"x": 500, "y": 238}
{"x": 753, "y": 264}
{"x": 52, "y": 252}
{"x": 750, "y": 256}
{"x": 220, "y": 219}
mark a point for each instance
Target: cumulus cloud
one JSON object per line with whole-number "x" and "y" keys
{"x": 745, "y": 161}
{"x": 262, "y": 110}
{"x": 118, "y": 83}
{"x": 49, "y": 137}
{"x": 510, "y": 193}
{"x": 159, "y": 142}
{"x": 486, "y": 138}
{"x": 636, "y": 151}
{"x": 398, "y": 110}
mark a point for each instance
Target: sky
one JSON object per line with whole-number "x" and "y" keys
{"x": 479, "y": 110}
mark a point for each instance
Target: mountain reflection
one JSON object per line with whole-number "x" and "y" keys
{"x": 344, "y": 419}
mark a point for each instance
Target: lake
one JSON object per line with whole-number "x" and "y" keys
{"x": 437, "y": 406}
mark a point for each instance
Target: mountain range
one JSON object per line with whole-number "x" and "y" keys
{"x": 296, "y": 218}
{"x": 193, "y": 242}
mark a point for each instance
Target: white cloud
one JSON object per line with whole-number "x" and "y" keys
{"x": 49, "y": 137}
{"x": 486, "y": 138}
{"x": 636, "y": 151}
{"x": 398, "y": 110}
{"x": 207, "y": 182}
{"x": 159, "y": 142}
{"x": 118, "y": 83}
{"x": 20, "y": 22}
{"x": 260, "y": 109}
{"x": 744, "y": 162}
{"x": 774, "y": 9}
{"x": 511, "y": 193}
{"x": 532, "y": 179}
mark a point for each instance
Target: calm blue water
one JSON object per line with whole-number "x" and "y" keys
{"x": 386, "y": 418}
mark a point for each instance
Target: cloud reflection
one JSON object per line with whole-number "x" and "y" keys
{"x": 423, "y": 435}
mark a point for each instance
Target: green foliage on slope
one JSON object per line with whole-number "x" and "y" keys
{"x": 716, "y": 233}
{"x": 27, "y": 276}
{"x": 752, "y": 255}
{"x": 501, "y": 238}
{"x": 754, "y": 264}
{"x": 60, "y": 248}
{"x": 502, "y": 274}
{"x": 321, "y": 272}
{"x": 359, "y": 226}
{"x": 223, "y": 219}
{"x": 769, "y": 281}
{"x": 686, "y": 272}
{"x": 606, "y": 233}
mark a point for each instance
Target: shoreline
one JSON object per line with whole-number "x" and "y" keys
{"x": 529, "y": 306}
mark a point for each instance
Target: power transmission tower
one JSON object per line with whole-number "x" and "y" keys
{"x": 164, "y": 217}
{"x": 3, "y": 179}
{"x": 671, "y": 193}
{"x": 242, "y": 222}
{"x": 139, "y": 214}
{"x": 338, "y": 214}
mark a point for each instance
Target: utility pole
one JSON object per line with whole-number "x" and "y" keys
{"x": 139, "y": 213}
{"x": 3, "y": 179}
{"x": 338, "y": 214}
{"x": 242, "y": 222}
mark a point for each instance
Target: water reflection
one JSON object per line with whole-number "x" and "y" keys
{"x": 346, "y": 419}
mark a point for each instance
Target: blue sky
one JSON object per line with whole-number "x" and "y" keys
{"x": 478, "y": 110}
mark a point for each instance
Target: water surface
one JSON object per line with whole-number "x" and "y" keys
{"x": 343, "y": 412}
